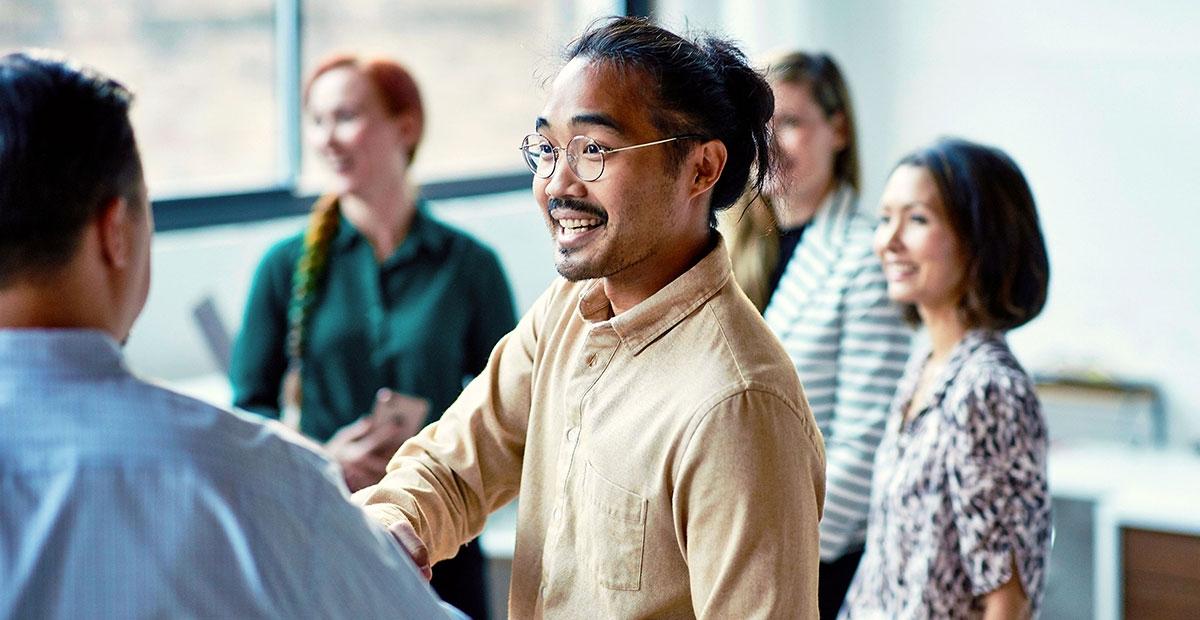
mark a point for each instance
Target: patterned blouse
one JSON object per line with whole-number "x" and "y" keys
{"x": 958, "y": 491}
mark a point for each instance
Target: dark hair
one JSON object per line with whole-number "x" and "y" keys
{"x": 704, "y": 87}
{"x": 396, "y": 87}
{"x": 824, "y": 80}
{"x": 991, "y": 210}
{"x": 66, "y": 149}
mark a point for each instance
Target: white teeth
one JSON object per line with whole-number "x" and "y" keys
{"x": 570, "y": 224}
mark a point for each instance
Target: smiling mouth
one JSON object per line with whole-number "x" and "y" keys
{"x": 578, "y": 225}
{"x": 338, "y": 164}
{"x": 898, "y": 270}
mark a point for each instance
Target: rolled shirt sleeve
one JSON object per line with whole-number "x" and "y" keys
{"x": 995, "y": 481}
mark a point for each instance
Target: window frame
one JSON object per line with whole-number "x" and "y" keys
{"x": 283, "y": 198}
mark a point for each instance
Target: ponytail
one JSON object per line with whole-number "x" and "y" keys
{"x": 748, "y": 139}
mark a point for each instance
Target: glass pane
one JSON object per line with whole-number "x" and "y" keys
{"x": 203, "y": 72}
{"x": 481, "y": 66}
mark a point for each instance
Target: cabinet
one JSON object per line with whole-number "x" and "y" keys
{"x": 1160, "y": 574}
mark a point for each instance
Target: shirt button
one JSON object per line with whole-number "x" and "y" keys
{"x": 572, "y": 433}
{"x": 557, "y": 514}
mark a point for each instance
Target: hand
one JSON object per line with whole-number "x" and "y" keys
{"x": 407, "y": 537}
{"x": 364, "y": 447}
{"x": 352, "y": 447}
{"x": 406, "y": 412}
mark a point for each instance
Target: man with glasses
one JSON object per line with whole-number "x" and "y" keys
{"x": 656, "y": 432}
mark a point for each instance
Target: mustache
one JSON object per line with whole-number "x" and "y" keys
{"x": 576, "y": 205}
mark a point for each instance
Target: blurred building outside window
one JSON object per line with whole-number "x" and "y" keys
{"x": 206, "y": 74}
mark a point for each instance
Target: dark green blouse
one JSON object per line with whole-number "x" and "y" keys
{"x": 419, "y": 323}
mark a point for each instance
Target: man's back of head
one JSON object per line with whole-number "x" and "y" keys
{"x": 74, "y": 220}
{"x": 66, "y": 148}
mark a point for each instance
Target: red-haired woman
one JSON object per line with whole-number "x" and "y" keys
{"x": 377, "y": 311}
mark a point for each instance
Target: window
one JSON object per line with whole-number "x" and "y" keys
{"x": 480, "y": 65}
{"x": 213, "y": 118}
{"x": 203, "y": 74}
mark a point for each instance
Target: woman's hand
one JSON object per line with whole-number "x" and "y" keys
{"x": 364, "y": 447}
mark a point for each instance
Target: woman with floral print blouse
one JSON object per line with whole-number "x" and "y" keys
{"x": 960, "y": 513}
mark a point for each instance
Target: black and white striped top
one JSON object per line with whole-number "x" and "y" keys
{"x": 849, "y": 344}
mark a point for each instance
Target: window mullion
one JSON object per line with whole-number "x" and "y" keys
{"x": 288, "y": 15}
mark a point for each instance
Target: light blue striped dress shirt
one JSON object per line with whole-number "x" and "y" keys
{"x": 121, "y": 499}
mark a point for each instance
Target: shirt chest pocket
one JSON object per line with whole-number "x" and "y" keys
{"x": 615, "y": 538}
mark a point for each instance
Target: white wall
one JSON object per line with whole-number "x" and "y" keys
{"x": 1099, "y": 101}
{"x": 220, "y": 261}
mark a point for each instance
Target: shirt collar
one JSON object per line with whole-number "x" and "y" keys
{"x": 972, "y": 340}
{"x": 425, "y": 233}
{"x": 59, "y": 351}
{"x": 645, "y": 322}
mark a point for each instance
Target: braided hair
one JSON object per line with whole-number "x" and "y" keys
{"x": 323, "y": 226}
{"x": 399, "y": 94}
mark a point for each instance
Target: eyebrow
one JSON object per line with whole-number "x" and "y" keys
{"x": 594, "y": 119}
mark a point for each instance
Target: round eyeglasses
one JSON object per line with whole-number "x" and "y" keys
{"x": 584, "y": 155}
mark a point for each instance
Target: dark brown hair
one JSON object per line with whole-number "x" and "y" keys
{"x": 991, "y": 210}
{"x": 705, "y": 87}
{"x": 67, "y": 149}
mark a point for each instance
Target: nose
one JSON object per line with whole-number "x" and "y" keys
{"x": 320, "y": 135}
{"x": 562, "y": 181}
{"x": 887, "y": 236}
{"x": 329, "y": 135}
{"x": 893, "y": 235}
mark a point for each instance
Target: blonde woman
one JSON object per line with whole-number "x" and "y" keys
{"x": 802, "y": 252}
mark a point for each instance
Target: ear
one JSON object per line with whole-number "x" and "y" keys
{"x": 841, "y": 133}
{"x": 408, "y": 129}
{"x": 706, "y": 165}
{"x": 113, "y": 227}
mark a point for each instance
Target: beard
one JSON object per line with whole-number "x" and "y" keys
{"x": 575, "y": 271}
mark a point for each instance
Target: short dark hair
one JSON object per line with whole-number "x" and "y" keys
{"x": 819, "y": 72}
{"x": 66, "y": 149}
{"x": 704, "y": 87}
{"x": 991, "y": 210}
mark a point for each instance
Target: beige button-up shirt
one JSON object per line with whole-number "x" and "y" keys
{"x": 667, "y": 462}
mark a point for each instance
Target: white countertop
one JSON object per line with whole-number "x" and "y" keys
{"x": 1139, "y": 487}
